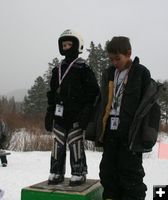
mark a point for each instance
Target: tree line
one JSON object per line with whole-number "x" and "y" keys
{"x": 35, "y": 102}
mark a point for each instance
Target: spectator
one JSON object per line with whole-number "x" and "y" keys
{"x": 3, "y": 136}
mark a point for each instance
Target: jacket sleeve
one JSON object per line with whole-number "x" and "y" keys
{"x": 51, "y": 97}
{"x": 91, "y": 90}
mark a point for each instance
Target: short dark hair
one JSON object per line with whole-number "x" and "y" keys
{"x": 118, "y": 44}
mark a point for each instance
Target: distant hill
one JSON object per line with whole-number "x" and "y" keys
{"x": 18, "y": 94}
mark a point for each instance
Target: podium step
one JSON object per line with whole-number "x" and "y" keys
{"x": 91, "y": 190}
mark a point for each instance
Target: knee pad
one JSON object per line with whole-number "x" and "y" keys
{"x": 75, "y": 142}
{"x": 59, "y": 140}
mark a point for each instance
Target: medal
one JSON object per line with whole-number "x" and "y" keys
{"x": 58, "y": 90}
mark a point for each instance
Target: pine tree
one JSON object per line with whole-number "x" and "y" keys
{"x": 36, "y": 101}
{"x": 97, "y": 60}
{"x": 4, "y": 105}
{"x": 12, "y": 105}
{"x": 48, "y": 73}
{"x": 92, "y": 58}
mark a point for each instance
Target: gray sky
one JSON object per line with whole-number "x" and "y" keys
{"x": 29, "y": 30}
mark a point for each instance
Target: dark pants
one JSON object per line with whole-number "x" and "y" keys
{"x": 121, "y": 171}
{"x": 71, "y": 134}
{"x": 3, "y": 159}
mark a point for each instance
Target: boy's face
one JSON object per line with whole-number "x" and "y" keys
{"x": 66, "y": 45}
{"x": 120, "y": 61}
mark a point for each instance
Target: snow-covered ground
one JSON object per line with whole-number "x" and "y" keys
{"x": 28, "y": 168}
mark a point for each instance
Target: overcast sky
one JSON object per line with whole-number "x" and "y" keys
{"x": 29, "y": 30}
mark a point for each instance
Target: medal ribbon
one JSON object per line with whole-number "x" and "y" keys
{"x": 117, "y": 91}
{"x": 66, "y": 72}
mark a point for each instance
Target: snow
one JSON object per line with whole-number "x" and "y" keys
{"x": 27, "y": 168}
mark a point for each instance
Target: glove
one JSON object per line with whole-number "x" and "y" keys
{"x": 49, "y": 121}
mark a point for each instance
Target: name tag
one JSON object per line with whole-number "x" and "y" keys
{"x": 59, "y": 110}
{"x": 114, "y": 123}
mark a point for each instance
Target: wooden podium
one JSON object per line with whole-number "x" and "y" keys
{"x": 91, "y": 190}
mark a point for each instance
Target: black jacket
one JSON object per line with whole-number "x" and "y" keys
{"x": 138, "y": 81}
{"x": 144, "y": 129}
{"x": 78, "y": 92}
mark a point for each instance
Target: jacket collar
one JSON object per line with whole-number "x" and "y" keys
{"x": 134, "y": 64}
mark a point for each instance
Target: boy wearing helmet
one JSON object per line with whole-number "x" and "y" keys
{"x": 73, "y": 90}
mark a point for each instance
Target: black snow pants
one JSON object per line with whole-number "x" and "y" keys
{"x": 68, "y": 132}
{"x": 3, "y": 159}
{"x": 121, "y": 171}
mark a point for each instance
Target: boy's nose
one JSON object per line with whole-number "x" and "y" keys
{"x": 114, "y": 62}
{"x": 66, "y": 47}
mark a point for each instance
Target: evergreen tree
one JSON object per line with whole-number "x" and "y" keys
{"x": 7, "y": 106}
{"x": 3, "y": 104}
{"x": 12, "y": 105}
{"x": 97, "y": 60}
{"x": 48, "y": 73}
{"x": 36, "y": 101}
{"x": 92, "y": 58}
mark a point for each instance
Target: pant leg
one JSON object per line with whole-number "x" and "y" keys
{"x": 108, "y": 167}
{"x": 3, "y": 159}
{"x": 121, "y": 171}
{"x": 58, "y": 155}
{"x": 131, "y": 175}
{"x": 77, "y": 153}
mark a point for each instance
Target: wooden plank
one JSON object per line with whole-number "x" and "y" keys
{"x": 64, "y": 186}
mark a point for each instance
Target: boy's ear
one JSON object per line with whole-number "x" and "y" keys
{"x": 129, "y": 53}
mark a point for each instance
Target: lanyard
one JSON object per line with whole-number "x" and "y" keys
{"x": 66, "y": 72}
{"x": 118, "y": 94}
{"x": 117, "y": 74}
{"x": 118, "y": 91}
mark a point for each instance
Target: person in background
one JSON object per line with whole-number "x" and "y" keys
{"x": 1, "y": 193}
{"x": 123, "y": 86}
{"x": 3, "y": 135}
{"x": 73, "y": 90}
